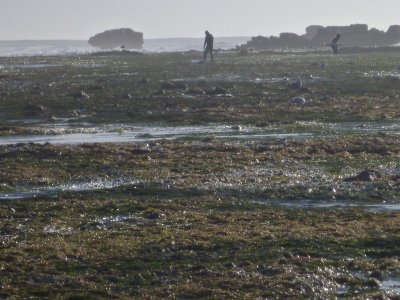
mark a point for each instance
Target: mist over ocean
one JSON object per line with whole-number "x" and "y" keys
{"x": 74, "y": 47}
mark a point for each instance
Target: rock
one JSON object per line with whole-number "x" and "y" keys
{"x": 366, "y": 175}
{"x": 396, "y": 178}
{"x": 117, "y": 38}
{"x": 237, "y": 128}
{"x": 297, "y": 101}
{"x": 377, "y": 275}
{"x": 373, "y": 283}
{"x": 32, "y": 109}
{"x": 297, "y": 84}
{"x": 355, "y": 35}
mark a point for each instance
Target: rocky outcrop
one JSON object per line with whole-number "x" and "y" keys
{"x": 356, "y": 35}
{"x": 124, "y": 38}
{"x": 285, "y": 40}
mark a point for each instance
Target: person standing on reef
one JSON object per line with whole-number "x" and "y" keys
{"x": 208, "y": 46}
{"x": 334, "y": 44}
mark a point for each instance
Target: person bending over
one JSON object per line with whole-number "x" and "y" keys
{"x": 208, "y": 46}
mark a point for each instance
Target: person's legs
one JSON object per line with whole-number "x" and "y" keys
{"x": 205, "y": 54}
{"x": 211, "y": 55}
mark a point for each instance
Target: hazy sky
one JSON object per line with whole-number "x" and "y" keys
{"x": 79, "y": 19}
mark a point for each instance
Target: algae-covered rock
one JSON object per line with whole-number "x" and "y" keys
{"x": 297, "y": 101}
{"x": 366, "y": 175}
{"x": 125, "y": 38}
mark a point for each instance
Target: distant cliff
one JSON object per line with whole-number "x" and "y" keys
{"x": 356, "y": 35}
{"x": 116, "y": 38}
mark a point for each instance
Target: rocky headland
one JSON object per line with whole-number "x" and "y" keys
{"x": 355, "y": 35}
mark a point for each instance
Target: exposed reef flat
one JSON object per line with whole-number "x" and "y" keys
{"x": 212, "y": 183}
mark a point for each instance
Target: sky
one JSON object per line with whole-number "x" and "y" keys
{"x": 80, "y": 19}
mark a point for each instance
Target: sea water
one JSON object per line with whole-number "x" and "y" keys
{"x": 77, "y": 47}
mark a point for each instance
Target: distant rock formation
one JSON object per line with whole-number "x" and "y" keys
{"x": 355, "y": 35}
{"x": 124, "y": 38}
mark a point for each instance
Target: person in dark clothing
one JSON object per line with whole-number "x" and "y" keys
{"x": 208, "y": 46}
{"x": 334, "y": 44}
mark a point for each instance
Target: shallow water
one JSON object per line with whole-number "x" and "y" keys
{"x": 63, "y": 132}
{"x": 366, "y": 127}
{"x": 52, "y": 191}
{"x": 31, "y": 66}
{"x": 391, "y": 284}
{"x": 311, "y": 204}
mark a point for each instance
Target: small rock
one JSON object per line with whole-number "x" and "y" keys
{"x": 296, "y": 85}
{"x": 34, "y": 109}
{"x": 373, "y": 283}
{"x": 217, "y": 91}
{"x": 297, "y": 101}
{"x": 366, "y": 175}
{"x": 151, "y": 215}
{"x": 377, "y": 275}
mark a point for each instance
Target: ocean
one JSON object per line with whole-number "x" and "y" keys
{"x": 76, "y": 47}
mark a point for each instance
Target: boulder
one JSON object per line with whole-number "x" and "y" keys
{"x": 124, "y": 38}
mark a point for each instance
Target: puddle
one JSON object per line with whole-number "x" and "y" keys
{"x": 365, "y": 127}
{"x": 66, "y": 134}
{"x": 311, "y": 204}
{"x": 268, "y": 136}
{"x": 23, "y": 195}
{"x": 52, "y": 191}
{"x": 391, "y": 284}
{"x": 32, "y": 66}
